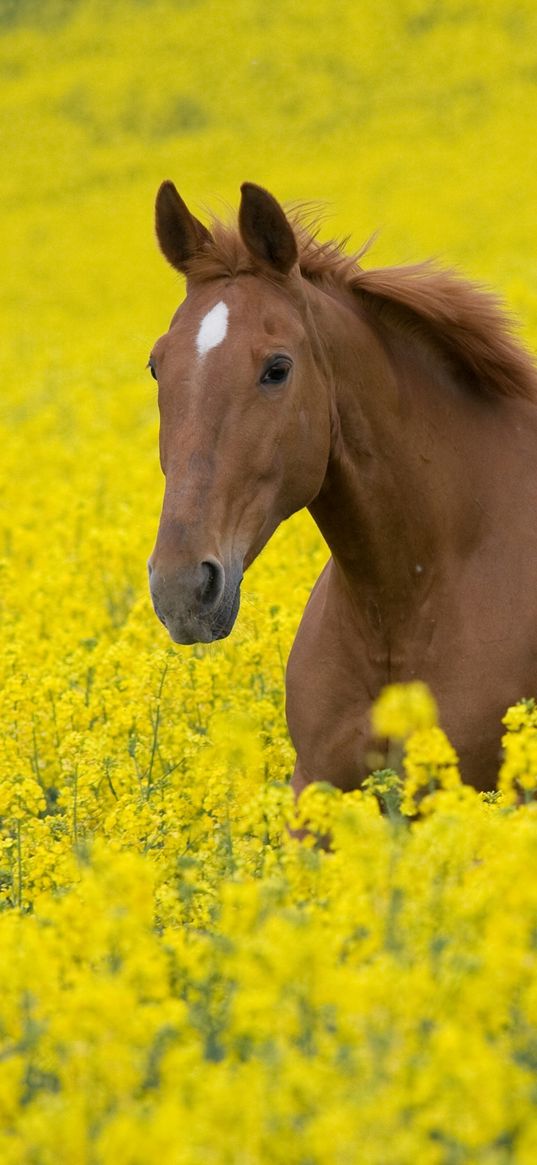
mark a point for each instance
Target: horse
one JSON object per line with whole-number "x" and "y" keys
{"x": 398, "y": 405}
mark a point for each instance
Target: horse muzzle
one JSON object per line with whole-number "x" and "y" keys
{"x": 196, "y": 603}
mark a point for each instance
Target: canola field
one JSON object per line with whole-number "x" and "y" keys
{"x": 182, "y": 981}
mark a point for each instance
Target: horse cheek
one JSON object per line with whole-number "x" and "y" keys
{"x": 313, "y": 444}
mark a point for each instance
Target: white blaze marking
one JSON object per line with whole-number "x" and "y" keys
{"x": 213, "y": 328}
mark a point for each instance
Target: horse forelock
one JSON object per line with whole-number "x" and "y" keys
{"x": 226, "y": 255}
{"x": 464, "y": 320}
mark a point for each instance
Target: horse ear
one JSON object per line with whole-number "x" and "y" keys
{"x": 265, "y": 230}
{"x": 180, "y": 235}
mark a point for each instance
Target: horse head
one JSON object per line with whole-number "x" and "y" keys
{"x": 244, "y": 414}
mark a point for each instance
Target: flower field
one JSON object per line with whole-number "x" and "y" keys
{"x": 183, "y": 982}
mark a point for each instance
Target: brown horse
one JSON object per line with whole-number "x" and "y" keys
{"x": 397, "y": 406}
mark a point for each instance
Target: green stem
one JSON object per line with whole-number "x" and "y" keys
{"x": 156, "y": 723}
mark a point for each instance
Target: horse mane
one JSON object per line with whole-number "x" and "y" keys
{"x": 464, "y": 320}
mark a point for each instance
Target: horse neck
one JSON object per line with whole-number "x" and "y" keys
{"x": 392, "y": 507}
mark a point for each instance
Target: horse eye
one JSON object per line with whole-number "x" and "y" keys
{"x": 152, "y": 369}
{"x": 277, "y": 372}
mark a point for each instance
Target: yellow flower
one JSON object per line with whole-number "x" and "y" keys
{"x": 431, "y": 764}
{"x": 518, "y": 772}
{"x": 402, "y": 709}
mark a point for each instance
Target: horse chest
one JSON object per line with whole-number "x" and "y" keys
{"x": 469, "y": 656}
{"x": 333, "y": 674}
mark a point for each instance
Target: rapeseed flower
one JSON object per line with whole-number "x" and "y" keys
{"x": 402, "y": 709}
{"x": 518, "y": 772}
{"x": 183, "y": 979}
{"x": 431, "y": 764}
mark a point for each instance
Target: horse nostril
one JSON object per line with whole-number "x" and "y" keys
{"x": 213, "y": 584}
{"x": 149, "y": 568}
